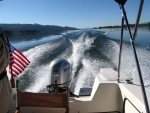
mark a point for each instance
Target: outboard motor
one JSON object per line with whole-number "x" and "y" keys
{"x": 60, "y": 75}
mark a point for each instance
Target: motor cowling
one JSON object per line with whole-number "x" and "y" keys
{"x": 60, "y": 75}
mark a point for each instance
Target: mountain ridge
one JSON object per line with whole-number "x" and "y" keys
{"x": 37, "y": 27}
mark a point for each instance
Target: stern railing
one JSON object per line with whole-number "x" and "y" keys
{"x": 132, "y": 39}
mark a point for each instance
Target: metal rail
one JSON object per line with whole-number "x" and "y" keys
{"x": 138, "y": 19}
{"x": 121, "y": 40}
{"x": 132, "y": 38}
{"x": 120, "y": 52}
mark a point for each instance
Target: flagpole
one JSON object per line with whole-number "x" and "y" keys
{"x": 12, "y": 80}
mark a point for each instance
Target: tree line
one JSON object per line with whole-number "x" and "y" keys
{"x": 131, "y": 25}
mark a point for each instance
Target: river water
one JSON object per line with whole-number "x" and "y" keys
{"x": 87, "y": 51}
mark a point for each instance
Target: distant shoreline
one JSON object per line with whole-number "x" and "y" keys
{"x": 147, "y": 24}
{"x": 31, "y": 29}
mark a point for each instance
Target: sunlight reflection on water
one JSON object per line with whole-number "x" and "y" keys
{"x": 26, "y": 44}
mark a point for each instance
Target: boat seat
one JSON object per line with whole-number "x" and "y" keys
{"x": 52, "y": 100}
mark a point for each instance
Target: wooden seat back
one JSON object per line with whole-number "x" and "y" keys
{"x": 53, "y": 100}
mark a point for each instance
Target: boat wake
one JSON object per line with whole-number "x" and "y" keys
{"x": 87, "y": 51}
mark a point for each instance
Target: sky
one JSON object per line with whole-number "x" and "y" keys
{"x": 73, "y": 13}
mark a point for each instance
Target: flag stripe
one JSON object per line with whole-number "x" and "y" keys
{"x": 16, "y": 56}
{"x": 23, "y": 58}
{"x": 14, "y": 72}
{"x": 18, "y": 69}
{"x": 19, "y": 65}
{"x": 18, "y": 62}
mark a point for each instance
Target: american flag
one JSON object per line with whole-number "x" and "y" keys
{"x": 18, "y": 62}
